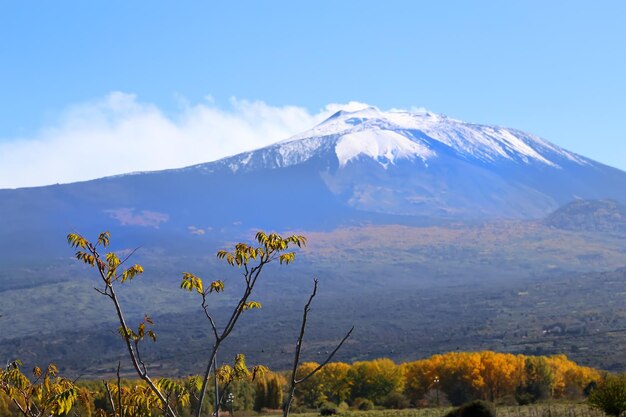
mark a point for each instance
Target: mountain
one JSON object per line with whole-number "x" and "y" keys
{"x": 433, "y": 226}
{"x": 590, "y": 216}
{"x": 424, "y": 164}
{"x": 355, "y": 167}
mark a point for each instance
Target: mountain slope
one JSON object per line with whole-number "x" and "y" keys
{"x": 355, "y": 167}
{"x": 423, "y": 164}
{"x": 606, "y": 216}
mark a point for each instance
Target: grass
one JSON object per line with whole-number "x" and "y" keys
{"x": 541, "y": 410}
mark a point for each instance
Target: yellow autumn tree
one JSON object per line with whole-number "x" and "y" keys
{"x": 334, "y": 381}
{"x": 269, "y": 392}
{"x": 47, "y": 395}
{"x": 569, "y": 378}
{"x": 311, "y": 391}
{"x": 463, "y": 376}
{"x": 417, "y": 378}
{"x": 375, "y": 379}
{"x": 499, "y": 374}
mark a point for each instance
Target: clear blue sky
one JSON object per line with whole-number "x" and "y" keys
{"x": 555, "y": 68}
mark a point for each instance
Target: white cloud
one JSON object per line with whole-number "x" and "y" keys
{"x": 120, "y": 134}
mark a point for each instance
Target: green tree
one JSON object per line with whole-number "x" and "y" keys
{"x": 243, "y": 395}
{"x": 274, "y": 393}
{"x": 610, "y": 395}
{"x": 538, "y": 381}
{"x": 260, "y": 395}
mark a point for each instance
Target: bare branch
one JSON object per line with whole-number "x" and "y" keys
{"x": 143, "y": 365}
{"x": 307, "y": 308}
{"x": 102, "y": 292}
{"x": 216, "y": 388}
{"x": 119, "y": 390}
{"x": 296, "y": 360}
{"x": 129, "y": 256}
{"x": 37, "y": 411}
{"x": 23, "y": 411}
{"x": 328, "y": 358}
{"x": 246, "y": 274}
{"x": 205, "y": 307}
{"x": 205, "y": 380}
{"x": 110, "y": 396}
{"x": 167, "y": 404}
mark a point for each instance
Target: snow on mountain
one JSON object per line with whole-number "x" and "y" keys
{"x": 429, "y": 165}
{"x": 383, "y": 145}
{"x": 388, "y": 136}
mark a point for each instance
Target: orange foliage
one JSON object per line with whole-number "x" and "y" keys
{"x": 490, "y": 375}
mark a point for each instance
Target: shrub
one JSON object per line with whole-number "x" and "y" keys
{"x": 524, "y": 398}
{"x": 328, "y": 409}
{"x": 363, "y": 404}
{"x": 458, "y": 393}
{"x": 474, "y": 409}
{"x": 589, "y": 388}
{"x": 531, "y": 392}
{"x": 610, "y": 395}
{"x": 396, "y": 401}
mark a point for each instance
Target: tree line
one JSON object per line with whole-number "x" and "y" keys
{"x": 450, "y": 378}
{"x": 454, "y": 378}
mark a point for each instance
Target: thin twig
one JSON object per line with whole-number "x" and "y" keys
{"x": 110, "y": 396}
{"x": 205, "y": 307}
{"x": 119, "y": 390}
{"x": 328, "y": 358}
{"x": 129, "y": 255}
{"x": 101, "y": 292}
{"x": 296, "y": 360}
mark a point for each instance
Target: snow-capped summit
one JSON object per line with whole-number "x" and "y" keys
{"x": 370, "y": 117}
{"x": 390, "y": 136}
{"x": 487, "y": 143}
{"x": 423, "y": 163}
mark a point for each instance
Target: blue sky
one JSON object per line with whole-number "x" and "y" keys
{"x": 556, "y": 68}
